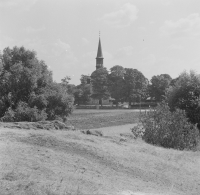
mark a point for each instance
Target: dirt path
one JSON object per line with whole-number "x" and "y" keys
{"x": 116, "y": 130}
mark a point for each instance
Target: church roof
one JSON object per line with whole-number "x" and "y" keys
{"x": 99, "y": 52}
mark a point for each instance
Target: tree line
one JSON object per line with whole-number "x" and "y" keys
{"x": 122, "y": 84}
{"x": 28, "y": 92}
{"x": 130, "y": 85}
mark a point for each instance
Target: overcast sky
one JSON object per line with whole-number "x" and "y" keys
{"x": 153, "y": 36}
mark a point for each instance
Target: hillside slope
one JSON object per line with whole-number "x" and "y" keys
{"x": 70, "y": 162}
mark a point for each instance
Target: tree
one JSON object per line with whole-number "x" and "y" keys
{"x": 67, "y": 87}
{"x": 78, "y": 95}
{"x": 117, "y": 71}
{"x": 1, "y": 62}
{"x": 99, "y": 79}
{"x": 185, "y": 94}
{"x": 85, "y": 79}
{"x": 60, "y": 103}
{"x": 173, "y": 81}
{"x": 135, "y": 85}
{"x": 25, "y": 85}
{"x": 116, "y": 83}
{"x": 65, "y": 80}
{"x": 86, "y": 93}
{"x": 85, "y": 87}
{"x": 82, "y": 94}
{"x": 158, "y": 86}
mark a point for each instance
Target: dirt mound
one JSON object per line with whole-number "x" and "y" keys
{"x": 47, "y": 125}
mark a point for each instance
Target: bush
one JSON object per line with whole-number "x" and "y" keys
{"x": 60, "y": 103}
{"x": 25, "y": 113}
{"x": 138, "y": 131}
{"x": 9, "y": 116}
{"x": 168, "y": 129}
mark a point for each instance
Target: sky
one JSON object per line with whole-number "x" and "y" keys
{"x": 153, "y": 36}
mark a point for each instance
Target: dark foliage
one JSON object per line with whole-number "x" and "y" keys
{"x": 116, "y": 83}
{"x": 185, "y": 94}
{"x": 99, "y": 79}
{"x": 27, "y": 90}
{"x": 168, "y": 129}
{"x": 158, "y": 86}
{"x": 135, "y": 85}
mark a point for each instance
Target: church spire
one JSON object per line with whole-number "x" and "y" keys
{"x": 99, "y": 58}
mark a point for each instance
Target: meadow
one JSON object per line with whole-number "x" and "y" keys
{"x": 90, "y": 119}
{"x": 66, "y": 162}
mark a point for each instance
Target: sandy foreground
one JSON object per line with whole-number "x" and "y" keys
{"x": 69, "y": 162}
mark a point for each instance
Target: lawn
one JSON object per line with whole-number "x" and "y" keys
{"x": 90, "y": 119}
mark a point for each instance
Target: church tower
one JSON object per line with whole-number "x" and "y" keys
{"x": 99, "y": 58}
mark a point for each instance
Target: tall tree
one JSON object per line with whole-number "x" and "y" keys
{"x": 26, "y": 87}
{"x": 185, "y": 94}
{"x": 99, "y": 79}
{"x": 158, "y": 86}
{"x": 135, "y": 85}
{"x": 22, "y": 74}
{"x": 116, "y": 83}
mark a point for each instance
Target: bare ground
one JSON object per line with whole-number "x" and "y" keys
{"x": 69, "y": 162}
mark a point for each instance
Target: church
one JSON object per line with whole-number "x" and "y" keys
{"x": 99, "y": 64}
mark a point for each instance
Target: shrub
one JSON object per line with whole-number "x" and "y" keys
{"x": 60, "y": 103}
{"x": 25, "y": 113}
{"x": 9, "y": 116}
{"x": 169, "y": 129}
{"x": 138, "y": 131}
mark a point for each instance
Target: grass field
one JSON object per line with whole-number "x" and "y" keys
{"x": 60, "y": 162}
{"x": 90, "y": 119}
